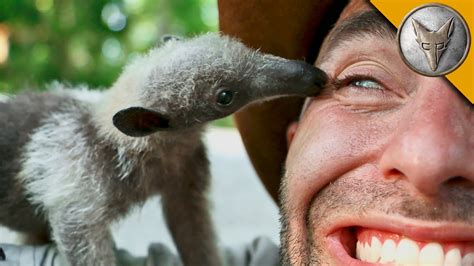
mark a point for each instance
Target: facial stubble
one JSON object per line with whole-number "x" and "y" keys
{"x": 359, "y": 197}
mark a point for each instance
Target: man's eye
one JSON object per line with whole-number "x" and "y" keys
{"x": 359, "y": 82}
{"x": 366, "y": 88}
{"x": 366, "y": 83}
{"x": 365, "y": 92}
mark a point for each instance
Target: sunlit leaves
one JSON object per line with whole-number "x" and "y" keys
{"x": 89, "y": 41}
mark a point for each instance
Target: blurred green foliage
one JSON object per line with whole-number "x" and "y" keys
{"x": 89, "y": 41}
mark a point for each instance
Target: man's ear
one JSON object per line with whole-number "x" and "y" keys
{"x": 290, "y": 133}
{"x": 139, "y": 121}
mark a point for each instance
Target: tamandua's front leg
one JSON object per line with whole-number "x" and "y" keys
{"x": 186, "y": 211}
{"x": 82, "y": 235}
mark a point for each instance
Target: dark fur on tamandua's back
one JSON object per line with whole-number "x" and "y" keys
{"x": 19, "y": 117}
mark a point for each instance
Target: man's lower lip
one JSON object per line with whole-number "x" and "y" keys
{"x": 358, "y": 246}
{"x": 339, "y": 250}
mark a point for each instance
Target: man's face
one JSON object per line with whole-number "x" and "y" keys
{"x": 383, "y": 160}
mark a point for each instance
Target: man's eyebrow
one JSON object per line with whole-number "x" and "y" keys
{"x": 359, "y": 26}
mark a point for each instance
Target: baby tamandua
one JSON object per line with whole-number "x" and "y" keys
{"x": 73, "y": 160}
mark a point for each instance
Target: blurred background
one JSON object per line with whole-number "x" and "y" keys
{"x": 88, "y": 42}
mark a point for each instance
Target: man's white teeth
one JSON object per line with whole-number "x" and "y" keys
{"x": 431, "y": 254}
{"x": 468, "y": 259}
{"x": 407, "y": 252}
{"x": 388, "y": 251}
{"x": 453, "y": 257}
{"x": 375, "y": 248}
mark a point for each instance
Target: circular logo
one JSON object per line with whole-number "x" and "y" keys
{"x": 433, "y": 39}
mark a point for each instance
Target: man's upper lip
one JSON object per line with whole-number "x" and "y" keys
{"x": 411, "y": 228}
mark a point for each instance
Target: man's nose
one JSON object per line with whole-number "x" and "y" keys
{"x": 434, "y": 144}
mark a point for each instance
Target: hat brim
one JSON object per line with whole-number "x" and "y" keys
{"x": 290, "y": 29}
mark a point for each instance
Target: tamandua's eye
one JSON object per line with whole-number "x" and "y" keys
{"x": 225, "y": 97}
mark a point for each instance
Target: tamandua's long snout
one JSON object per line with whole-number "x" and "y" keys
{"x": 283, "y": 77}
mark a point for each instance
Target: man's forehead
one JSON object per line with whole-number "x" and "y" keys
{"x": 358, "y": 24}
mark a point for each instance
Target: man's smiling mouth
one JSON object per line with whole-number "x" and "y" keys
{"x": 363, "y": 246}
{"x": 382, "y": 247}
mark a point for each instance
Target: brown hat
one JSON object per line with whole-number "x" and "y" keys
{"x": 291, "y": 29}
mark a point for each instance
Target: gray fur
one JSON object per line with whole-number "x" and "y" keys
{"x": 65, "y": 165}
{"x": 19, "y": 117}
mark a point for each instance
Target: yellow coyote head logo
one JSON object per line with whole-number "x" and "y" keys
{"x": 433, "y": 43}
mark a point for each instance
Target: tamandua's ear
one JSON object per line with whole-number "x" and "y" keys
{"x": 139, "y": 121}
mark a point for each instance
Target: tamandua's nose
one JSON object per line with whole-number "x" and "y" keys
{"x": 280, "y": 77}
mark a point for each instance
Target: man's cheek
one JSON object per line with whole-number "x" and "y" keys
{"x": 328, "y": 145}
